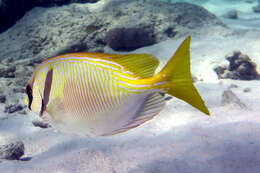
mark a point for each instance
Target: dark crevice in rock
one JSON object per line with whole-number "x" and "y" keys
{"x": 127, "y": 39}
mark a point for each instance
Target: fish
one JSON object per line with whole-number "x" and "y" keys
{"x": 98, "y": 94}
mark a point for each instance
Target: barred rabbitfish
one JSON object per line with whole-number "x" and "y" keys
{"x": 96, "y": 94}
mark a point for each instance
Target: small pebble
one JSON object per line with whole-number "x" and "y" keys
{"x": 25, "y": 158}
{"x": 246, "y": 90}
{"x": 41, "y": 124}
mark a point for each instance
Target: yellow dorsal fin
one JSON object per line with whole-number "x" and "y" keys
{"x": 142, "y": 65}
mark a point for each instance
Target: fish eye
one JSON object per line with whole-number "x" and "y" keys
{"x": 28, "y": 91}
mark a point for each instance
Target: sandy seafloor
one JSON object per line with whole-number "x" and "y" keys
{"x": 180, "y": 139}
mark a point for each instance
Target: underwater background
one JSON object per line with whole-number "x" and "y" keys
{"x": 225, "y": 64}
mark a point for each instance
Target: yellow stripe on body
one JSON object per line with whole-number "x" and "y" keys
{"x": 111, "y": 88}
{"x": 95, "y": 89}
{"x": 101, "y": 88}
{"x": 88, "y": 89}
{"x": 67, "y": 87}
{"x": 70, "y": 101}
{"x": 76, "y": 75}
{"x": 105, "y": 88}
{"x": 80, "y": 97}
{"x": 83, "y": 84}
{"x": 58, "y": 79}
{"x": 92, "y": 88}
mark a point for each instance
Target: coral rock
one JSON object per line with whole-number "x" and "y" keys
{"x": 240, "y": 68}
{"x": 12, "y": 151}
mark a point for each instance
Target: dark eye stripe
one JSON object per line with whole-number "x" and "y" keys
{"x": 46, "y": 91}
{"x": 28, "y": 91}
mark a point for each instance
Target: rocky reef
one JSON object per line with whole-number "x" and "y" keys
{"x": 12, "y": 151}
{"x": 46, "y": 32}
{"x": 13, "y": 10}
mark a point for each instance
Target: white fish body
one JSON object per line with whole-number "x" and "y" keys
{"x": 104, "y": 94}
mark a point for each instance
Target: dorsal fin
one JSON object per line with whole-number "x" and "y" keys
{"x": 142, "y": 65}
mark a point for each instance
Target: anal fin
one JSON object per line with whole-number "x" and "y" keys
{"x": 153, "y": 104}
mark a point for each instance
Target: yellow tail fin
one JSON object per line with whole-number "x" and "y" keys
{"x": 178, "y": 76}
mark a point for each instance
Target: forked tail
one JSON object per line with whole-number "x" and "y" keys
{"x": 179, "y": 80}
